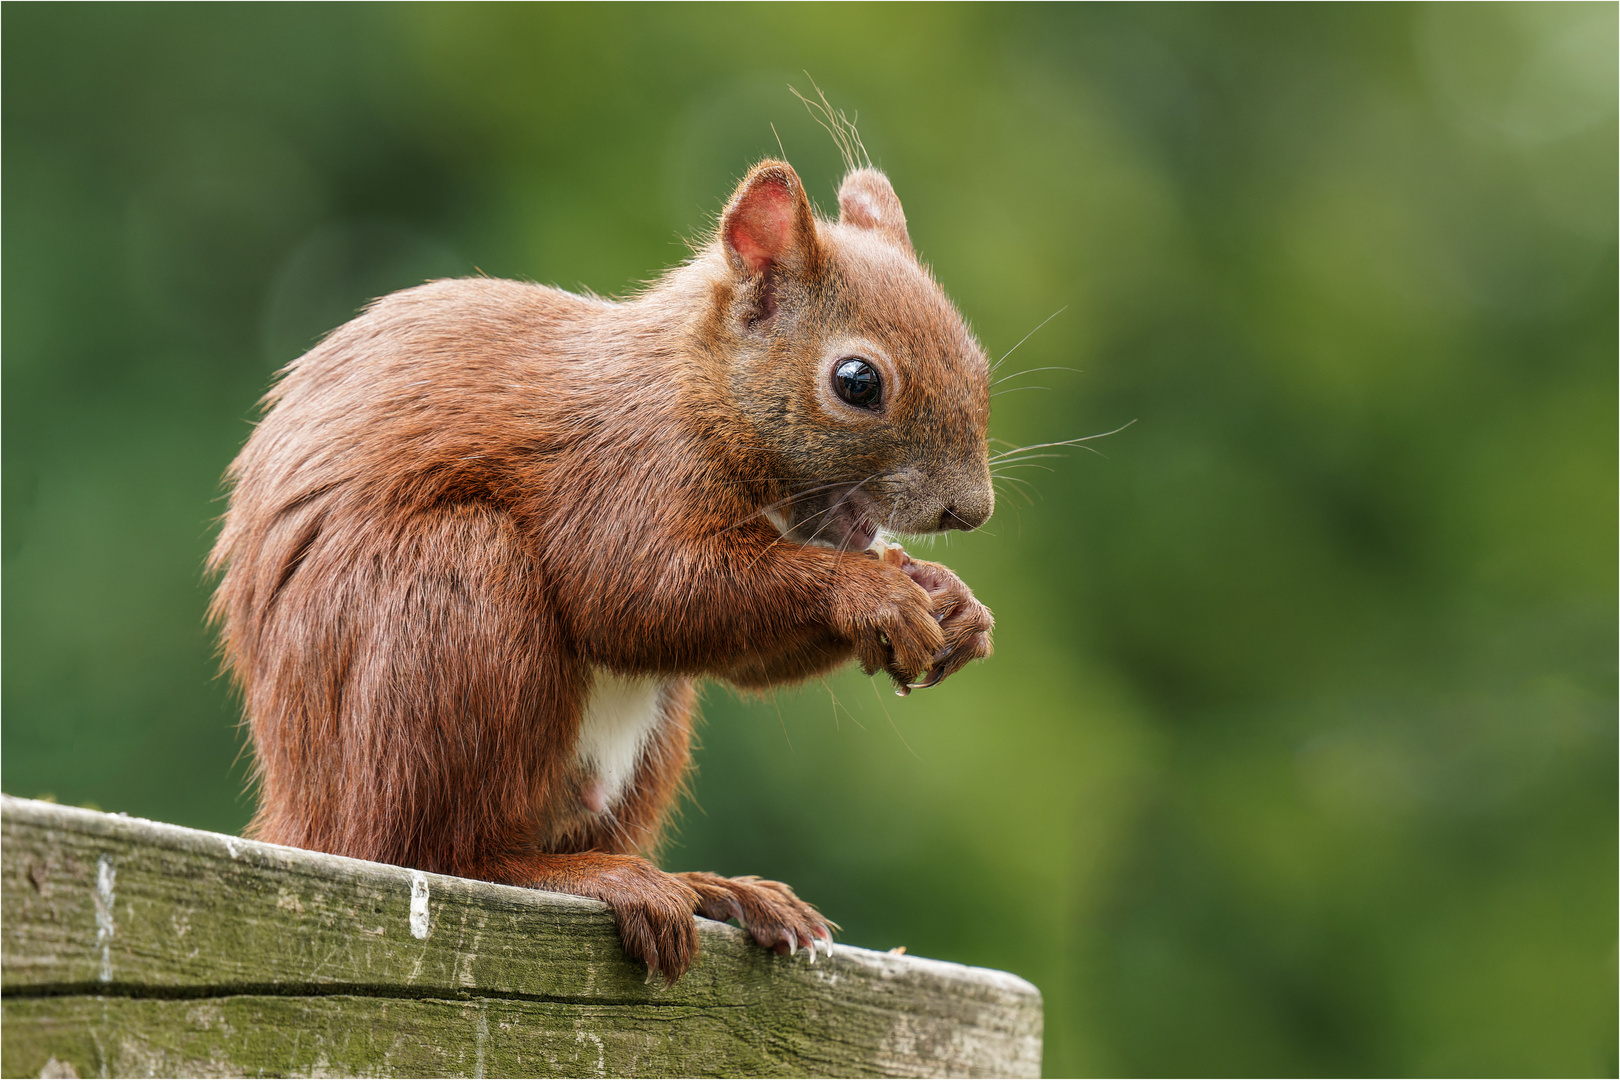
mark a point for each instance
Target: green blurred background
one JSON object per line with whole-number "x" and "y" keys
{"x": 1297, "y": 753}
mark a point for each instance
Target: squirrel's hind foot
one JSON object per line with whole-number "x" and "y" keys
{"x": 653, "y": 909}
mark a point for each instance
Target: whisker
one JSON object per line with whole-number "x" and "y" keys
{"x": 1063, "y": 442}
{"x": 1015, "y": 389}
{"x": 1022, "y": 494}
{"x": 784, "y": 479}
{"x": 782, "y": 537}
{"x": 1032, "y": 370}
{"x": 1027, "y": 336}
{"x": 796, "y": 496}
{"x": 783, "y": 721}
{"x": 1026, "y": 457}
{"x": 834, "y": 505}
{"x": 886, "y": 715}
{"x": 836, "y": 704}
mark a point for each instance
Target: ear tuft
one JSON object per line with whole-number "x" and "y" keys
{"x": 769, "y": 222}
{"x": 867, "y": 200}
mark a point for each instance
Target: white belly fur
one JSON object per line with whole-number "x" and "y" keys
{"x": 621, "y": 714}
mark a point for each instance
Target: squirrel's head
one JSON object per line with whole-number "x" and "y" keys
{"x": 867, "y": 396}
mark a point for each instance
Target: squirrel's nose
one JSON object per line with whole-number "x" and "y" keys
{"x": 955, "y": 517}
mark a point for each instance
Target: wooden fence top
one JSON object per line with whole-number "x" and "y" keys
{"x": 134, "y": 948}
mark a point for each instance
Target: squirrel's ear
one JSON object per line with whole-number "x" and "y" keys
{"x": 769, "y": 222}
{"x": 867, "y": 200}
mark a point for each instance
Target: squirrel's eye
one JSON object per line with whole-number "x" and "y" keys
{"x": 858, "y": 383}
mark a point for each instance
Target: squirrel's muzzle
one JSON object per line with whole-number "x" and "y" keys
{"x": 968, "y": 507}
{"x": 953, "y": 517}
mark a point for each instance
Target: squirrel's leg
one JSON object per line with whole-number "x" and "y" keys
{"x": 414, "y": 695}
{"x": 768, "y": 910}
{"x": 653, "y": 910}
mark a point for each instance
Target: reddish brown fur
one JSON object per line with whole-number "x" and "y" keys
{"x": 466, "y": 501}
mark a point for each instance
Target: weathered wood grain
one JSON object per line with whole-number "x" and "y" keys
{"x": 130, "y": 947}
{"x": 352, "y": 1035}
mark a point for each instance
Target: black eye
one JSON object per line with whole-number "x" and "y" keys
{"x": 858, "y": 383}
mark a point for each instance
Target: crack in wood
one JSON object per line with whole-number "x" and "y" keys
{"x": 313, "y": 990}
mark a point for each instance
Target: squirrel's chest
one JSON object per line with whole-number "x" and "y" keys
{"x": 622, "y": 714}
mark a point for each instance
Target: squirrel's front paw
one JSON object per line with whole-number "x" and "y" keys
{"x": 894, "y": 628}
{"x": 965, "y": 621}
{"x": 768, "y": 910}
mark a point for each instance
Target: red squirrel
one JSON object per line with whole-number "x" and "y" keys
{"x": 488, "y": 534}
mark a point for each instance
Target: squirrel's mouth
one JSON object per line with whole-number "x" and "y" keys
{"x": 839, "y": 518}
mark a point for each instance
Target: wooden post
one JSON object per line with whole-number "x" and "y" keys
{"x": 133, "y": 948}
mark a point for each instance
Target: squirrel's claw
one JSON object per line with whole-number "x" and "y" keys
{"x": 937, "y": 670}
